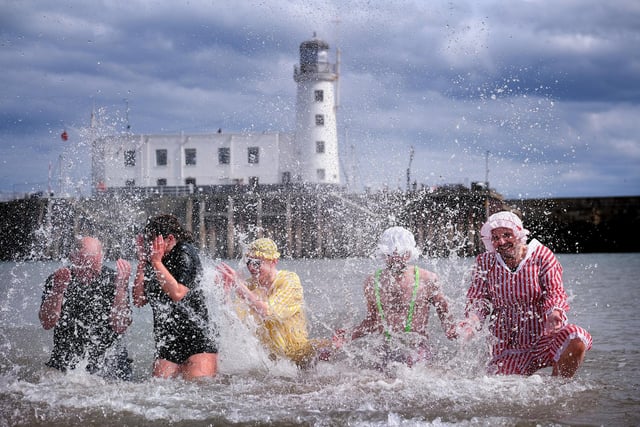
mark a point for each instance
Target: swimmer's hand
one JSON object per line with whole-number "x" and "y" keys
{"x": 229, "y": 276}
{"x": 468, "y": 327}
{"x": 555, "y": 321}
{"x": 452, "y": 331}
{"x": 123, "y": 273}
{"x": 465, "y": 331}
{"x": 338, "y": 338}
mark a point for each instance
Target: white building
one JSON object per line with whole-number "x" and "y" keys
{"x": 310, "y": 156}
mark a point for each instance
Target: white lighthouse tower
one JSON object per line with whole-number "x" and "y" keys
{"x": 316, "y": 135}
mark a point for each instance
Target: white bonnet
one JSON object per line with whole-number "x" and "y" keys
{"x": 502, "y": 219}
{"x": 397, "y": 240}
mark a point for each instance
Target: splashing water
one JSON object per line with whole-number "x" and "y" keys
{"x": 250, "y": 388}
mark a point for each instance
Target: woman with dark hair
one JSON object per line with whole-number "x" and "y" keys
{"x": 168, "y": 277}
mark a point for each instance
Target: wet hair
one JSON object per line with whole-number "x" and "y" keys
{"x": 164, "y": 225}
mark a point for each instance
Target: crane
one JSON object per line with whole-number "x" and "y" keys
{"x": 411, "y": 152}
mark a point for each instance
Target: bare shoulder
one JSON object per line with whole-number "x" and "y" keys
{"x": 429, "y": 282}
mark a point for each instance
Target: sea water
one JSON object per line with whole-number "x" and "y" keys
{"x": 251, "y": 389}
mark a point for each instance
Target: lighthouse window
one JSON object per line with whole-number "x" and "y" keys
{"x": 319, "y": 119}
{"x": 224, "y": 155}
{"x": 189, "y": 156}
{"x": 161, "y": 157}
{"x": 320, "y": 174}
{"x": 253, "y": 155}
{"x": 319, "y": 147}
{"x": 130, "y": 158}
{"x": 319, "y": 95}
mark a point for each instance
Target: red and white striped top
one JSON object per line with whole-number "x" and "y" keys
{"x": 517, "y": 302}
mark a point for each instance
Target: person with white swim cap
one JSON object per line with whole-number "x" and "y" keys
{"x": 517, "y": 288}
{"x": 399, "y": 297}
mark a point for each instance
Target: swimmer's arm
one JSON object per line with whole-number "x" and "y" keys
{"x": 259, "y": 306}
{"x": 231, "y": 280}
{"x": 367, "y": 326}
{"x": 478, "y": 305}
{"x": 371, "y": 323}
{"x": 441, "y": 304}
{"x": 139, "y": 297}
{"x": 121, "y": 311}
{"x": 435, "y": 296}
{"x": 169, "y": 285}
{"x": 51, "y": 306}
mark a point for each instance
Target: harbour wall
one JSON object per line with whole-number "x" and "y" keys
{"x": 584, "y": 225}
{"x": 312, "y": 222}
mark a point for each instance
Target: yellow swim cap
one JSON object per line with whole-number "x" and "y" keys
{"x": 263, "y": 248}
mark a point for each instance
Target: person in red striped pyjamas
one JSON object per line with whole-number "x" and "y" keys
{"x": 517, "y": 289}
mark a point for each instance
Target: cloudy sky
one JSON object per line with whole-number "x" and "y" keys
{"x": 541, "y": 95}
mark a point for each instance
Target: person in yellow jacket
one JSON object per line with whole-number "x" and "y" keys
{"x": 275, "y": 298}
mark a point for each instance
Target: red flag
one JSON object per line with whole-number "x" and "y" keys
{"x": 64, "y": 135}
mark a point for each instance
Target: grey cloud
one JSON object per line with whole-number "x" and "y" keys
{"x": 549, "y": 88}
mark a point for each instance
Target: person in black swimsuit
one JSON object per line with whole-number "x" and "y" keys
{"x": 168, "y": 277}
{"x": 87, "y": 305}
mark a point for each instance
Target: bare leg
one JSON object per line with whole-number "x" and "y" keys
{"x": 200, "y": 365}
{"x": 570, "y": 360}
{"x": 164, "y": 369}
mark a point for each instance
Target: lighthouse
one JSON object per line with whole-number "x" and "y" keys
{"x": 165, "y": 162}
{"x": 316, "y": 134}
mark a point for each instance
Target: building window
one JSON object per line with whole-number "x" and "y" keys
{"x": 130, "y": 183}
{"x": 286, "y": 177}
{"x": 319, "y": 147}
{"x": 319, "y": 119}
{"x": 319, "y": 95}
{"x": 320, "y": 174}
{"x": 190, "y": 156}
{"x": 253, "y": 182}
{"x": 161, "y": 157}
{"x": 130, "y": 158}
{"x": 224, "y": 155}
{"x": 253, "y": 155}
{"x": 161, "y": 182}
{"x": 190, "y": 181}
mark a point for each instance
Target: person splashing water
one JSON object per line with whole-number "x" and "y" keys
{"x": 275, "y": 299}
{"x": 398, "y": 298}
{"x": 517, "y": 288}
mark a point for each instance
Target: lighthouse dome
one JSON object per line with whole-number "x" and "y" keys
{"x": 312, "y": 52}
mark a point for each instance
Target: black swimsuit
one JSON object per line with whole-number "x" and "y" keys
{"x": 181, "y": 328}
{"x": 84, "y": 332}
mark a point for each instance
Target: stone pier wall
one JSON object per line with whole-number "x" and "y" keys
{"x": 311, "y": 223}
